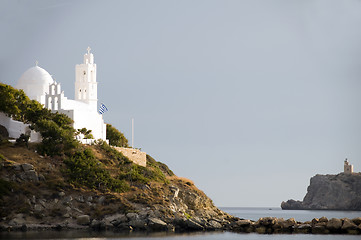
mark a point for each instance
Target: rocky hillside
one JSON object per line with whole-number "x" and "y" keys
{"x": 331, "y": 192}
{"x": 42, "y": 192}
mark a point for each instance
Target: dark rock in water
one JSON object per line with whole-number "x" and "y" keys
{"x": 348, "y": 225}
{"x": 330, "y": 192}
{"x": 292, "y": 204}
{"x": 193, "y": 225}
{"x": 357, "y": 221}
{"x": 157, "y": 224}
{"x": 98, "y": 225}
{"x": 83, "y": 220}
{"x": 213, "y": 225}
{"x": 334, "y": 224}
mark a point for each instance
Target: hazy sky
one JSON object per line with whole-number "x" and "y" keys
{"x": 249, "y": 99}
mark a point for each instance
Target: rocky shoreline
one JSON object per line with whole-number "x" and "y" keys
{"x": 146, "y": 222}
{"x": 36, "y": 196}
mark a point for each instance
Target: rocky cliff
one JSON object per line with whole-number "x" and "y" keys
{"x": 330, "y": 192}
{"x": 36, "y": 192}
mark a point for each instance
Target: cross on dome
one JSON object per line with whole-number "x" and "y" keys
{"x": 36, "y": 63}
{"x": 88, "y": 49}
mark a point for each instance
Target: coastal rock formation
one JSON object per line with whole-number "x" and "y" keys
{"x": 36, "y": 189}
{"x": 330, "y": 192}
{"x": 271, "y": 225}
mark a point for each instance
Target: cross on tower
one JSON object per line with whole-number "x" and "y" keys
{"x": 88, "y": 49}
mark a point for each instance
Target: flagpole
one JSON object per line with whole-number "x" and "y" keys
{"x": 132, "y": 132}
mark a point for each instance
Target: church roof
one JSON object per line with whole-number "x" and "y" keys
{"x": 35, "y": 82}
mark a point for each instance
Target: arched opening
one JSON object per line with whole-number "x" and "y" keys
{"x": 49, "y": 103}
{"x": 56, "y": 103}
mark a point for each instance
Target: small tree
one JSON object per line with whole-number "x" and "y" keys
{"x": 87, "y": 133}
{"x": 23, "y": 139}
{"x": 115, "y": 137}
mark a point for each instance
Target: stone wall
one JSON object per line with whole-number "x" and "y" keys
{"x": 134, "y": 155}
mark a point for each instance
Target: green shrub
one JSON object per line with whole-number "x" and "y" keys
{"x": 115, "y": 137}
{"x": 87, "y": 133}
{"x": 56, "y": 140}
{"x": 139, "y": 174}
{"x": 85, "y": 170}
{"x": 112, "y": 153}
{"x": 159, "y": 165}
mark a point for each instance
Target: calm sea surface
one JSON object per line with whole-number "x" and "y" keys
{"x": 247, "y": 213}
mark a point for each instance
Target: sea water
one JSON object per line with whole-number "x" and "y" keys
{"x": 246, "y": 213}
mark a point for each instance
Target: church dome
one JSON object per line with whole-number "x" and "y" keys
{"x": 35, "y": 82}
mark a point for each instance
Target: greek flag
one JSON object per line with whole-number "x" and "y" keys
{"x": 102, "y": 108}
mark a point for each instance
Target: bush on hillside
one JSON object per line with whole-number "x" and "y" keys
{"x": 87, "y": 133}
{"x": 143, "y": 175}
{"x": 112, "y": 153}
{"x": 115, "y": 137}
{"x": 84, "y": 169}
{"x": 159, "y": 165}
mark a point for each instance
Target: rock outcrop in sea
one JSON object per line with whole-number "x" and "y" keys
{"x": 330, "y": 192}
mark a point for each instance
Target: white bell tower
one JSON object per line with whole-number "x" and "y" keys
{"x": 86, "y": 81}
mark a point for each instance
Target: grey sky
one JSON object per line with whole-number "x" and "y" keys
{"x": 247, "y": 98}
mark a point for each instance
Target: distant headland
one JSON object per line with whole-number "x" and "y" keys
{"x": 331, "y": 192}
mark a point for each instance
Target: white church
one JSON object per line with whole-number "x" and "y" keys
{"x": 38, "y": 84}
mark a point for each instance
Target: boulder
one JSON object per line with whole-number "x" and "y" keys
{"x": 138, "y": 223}
{"x": 287, "y": 225}
{"x": 32, "y": 176}
{"x": 357, "y": 221}
{"x": 156, "y": 224}
{"x": 323, "y": 219}
{"x": 315, "y": 221}
{"x": 193, "y": 225}
{"x": 261, "y": 230}
{"x": 132, "y": 216}
{"x": 27, "y": 167}
{"x": 320, "y": 229}
{"x": 17, "y": 167}
{"x": 334, "y": 224}
{"x": 244, "y": 223}
{"x": 348, "y": 225}
{"x": 304, "y": 228}
{"x": 98, "y": 225}
{"x": 117, "y": 219}
{"x": 83, "y": 220}
{"x": 266, "y": 221}
{"x": 213, "y": 225}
